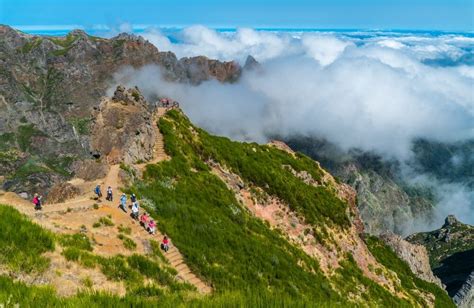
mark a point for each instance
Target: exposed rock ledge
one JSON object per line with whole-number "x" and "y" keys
{"x": 415, "y": 255}
{"x": 464, "y": 298}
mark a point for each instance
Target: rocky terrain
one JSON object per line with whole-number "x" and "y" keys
{"x": 50, "y": 90}
{"x": 451, "y": 251}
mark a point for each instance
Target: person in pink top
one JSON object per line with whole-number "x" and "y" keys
{"x": 144, "y": 220}
{"x": 152, "y": 226}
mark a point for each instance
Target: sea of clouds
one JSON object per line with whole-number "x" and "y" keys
{"x": 375, "y": 91}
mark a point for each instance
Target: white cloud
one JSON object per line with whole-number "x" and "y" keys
{"x": 371, "y": 93}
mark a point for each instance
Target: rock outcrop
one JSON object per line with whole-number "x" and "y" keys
{"x": 122, "y": 128}
{"x": 62, "y": 192}
{"x": 451, "y": 251}
{"x": 90, "y": 169}
{"x": 415, "y": 255}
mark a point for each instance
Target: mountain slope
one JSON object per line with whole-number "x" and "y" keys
{"x": 248, "y": 259}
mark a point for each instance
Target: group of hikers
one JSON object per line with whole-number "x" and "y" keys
{"x": 146, "y": 221}
{"x": 167, "y": 103}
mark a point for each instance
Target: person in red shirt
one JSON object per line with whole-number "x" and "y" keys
{"x": 165, "y": 244}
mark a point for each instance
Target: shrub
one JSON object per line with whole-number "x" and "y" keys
{"x": 104, "y": 221}
{"x": 22, "y": 242}
{"x": 124, "y": 230}
{"x": 127, "y": 242}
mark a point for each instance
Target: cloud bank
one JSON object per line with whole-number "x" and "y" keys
{"x": 372, "y": 91}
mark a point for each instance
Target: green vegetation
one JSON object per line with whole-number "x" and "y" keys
{"x": 65, "y": 42}
{"x": 104, "y": 221}
{"x": 124, "y": 230}
{"x": 22, "y": 242}
{"x": 24, "y": 135}
{"x": 230, "y": 248}
{"x": 82, "y": 125}
{"x": 409, "y": 281}
{"x": 132, "y": 269}
{"x": 27, "y": 296}
{"x": 263, "y": 166}
{"x": 7, "y": 141}
{"x": 77, "y": 240}
{"x": 127, "y": 242}
{"x": 31, "y": 166}
{"x": 30, "y": 45}
{"x": 461, "y": 238}
{"x": 60, "y": 164}
{"x": 245, "y": 261}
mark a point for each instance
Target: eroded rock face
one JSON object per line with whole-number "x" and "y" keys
{"x": 62, "y": 192}
{"x": 122, "y": 128}
{"x": 415, "y": 255}
{"x": 464, "y": 298}
{"x": 89, "y": 169}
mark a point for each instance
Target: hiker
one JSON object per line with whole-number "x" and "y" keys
{"x": 133, "y": 198}
{"x": 144, "y": 220}
{"x": 109, "y": 194}
{"x": 123, "y": 203}
{"x": 135, "y": 210}
{"x": 37, "y": 202}
{"x": 152, "y": 226}
{"x": 98, "y": 192}
{"x": 165, "y": 244}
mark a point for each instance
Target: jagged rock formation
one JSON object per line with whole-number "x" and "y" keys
{"x": 415, "y": 255}
{"x": 122, "y": 128}
{"x": 451, "y": 251}
{"x": 251, "y": 63}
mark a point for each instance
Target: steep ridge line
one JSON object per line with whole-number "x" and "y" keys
{"x": 74, "y": 213}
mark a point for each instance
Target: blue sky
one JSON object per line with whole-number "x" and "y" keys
{"x": 344, "y": 14}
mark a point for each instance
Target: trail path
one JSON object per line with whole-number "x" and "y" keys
{"x": 75, "y": 214}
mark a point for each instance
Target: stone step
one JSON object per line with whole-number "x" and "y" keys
{"x": 181, "y": 267}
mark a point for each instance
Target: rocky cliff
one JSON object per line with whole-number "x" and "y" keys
{"x": 415, "y": 255}
{"x": 451, "y": 251}
{"x": 464, "y": 298}
{"x": 122, "y": 128}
